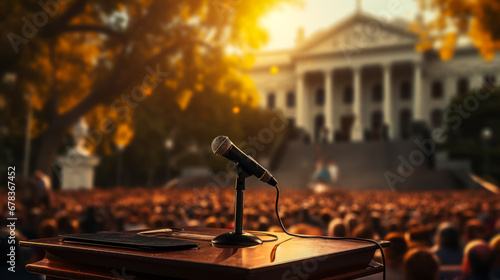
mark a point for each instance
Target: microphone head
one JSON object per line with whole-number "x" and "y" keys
{"x": 221, "y": 145}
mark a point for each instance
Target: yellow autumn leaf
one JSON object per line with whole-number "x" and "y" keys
{"x": 447, "y": 50}
{"x": 198, "y": 87}
{"x": 184, "y": 98}
{"x": 123, "y": 135}
{"x": 171, "y": 83}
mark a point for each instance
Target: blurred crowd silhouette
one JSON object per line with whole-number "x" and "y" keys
{"x": 435, "y": 234}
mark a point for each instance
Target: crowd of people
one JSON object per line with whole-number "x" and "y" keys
{"x": 447, "y": 234}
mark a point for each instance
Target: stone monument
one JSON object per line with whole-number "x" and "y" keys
{"x": 77, "y": 165}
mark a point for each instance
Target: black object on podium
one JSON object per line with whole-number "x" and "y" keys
{"x": 127, "y": 241}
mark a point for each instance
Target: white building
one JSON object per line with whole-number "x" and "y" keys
{"x": 362, "y": 79}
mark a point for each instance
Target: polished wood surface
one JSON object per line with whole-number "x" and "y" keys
{"x": 57, "y": 270}
{"x": 286, "y": 258}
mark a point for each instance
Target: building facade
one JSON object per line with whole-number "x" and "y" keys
{"x": 362, "y": 80}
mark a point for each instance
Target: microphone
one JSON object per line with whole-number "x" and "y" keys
{"x": 222, "y": 146}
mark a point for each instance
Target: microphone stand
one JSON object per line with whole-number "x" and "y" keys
{"x": 238, "y": 237}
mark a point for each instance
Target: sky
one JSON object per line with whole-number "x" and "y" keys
{"x": 283, "y": 23}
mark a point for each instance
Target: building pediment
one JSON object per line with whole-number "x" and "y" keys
{"x": 358, "y": 32}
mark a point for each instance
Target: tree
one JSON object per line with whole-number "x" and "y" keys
{"x": 192, "y": 129}
{"x": 468, "y": 115}
{"x": 455, "y": 19}
{"x": 102, "y": 58}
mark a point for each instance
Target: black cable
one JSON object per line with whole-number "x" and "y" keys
{"x": 274, "y": 237}
{"x": 327, "y": 237}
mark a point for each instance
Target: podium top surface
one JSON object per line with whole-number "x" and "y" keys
{"x": 278, "y": 256}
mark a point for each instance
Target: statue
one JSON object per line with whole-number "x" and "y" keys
{"x": 80, "y": 131}
{"x": 77, "y": 166}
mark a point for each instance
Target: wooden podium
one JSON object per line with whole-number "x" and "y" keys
{"x": 286, "y": 258}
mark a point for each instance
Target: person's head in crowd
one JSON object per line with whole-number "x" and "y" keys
{"x": 170, "y": 221}
{"x": 362, "y": 231}
{"x": 412, "y": 223}
{"x": 394, "y": 225}
{"x": 326, "y": 215}
{"x": 474, "y": 229}
{"x": 120, "y": 223}
{"x": 447, "y": 244}
{"x": 337, "y": 228}
{"x": 376, "y": 223}
{"x": 275, "y": 229}
{"x": 211, "y": 222}
{"x": 421, "y": 236}
{"x": 133, "y": 220}
{"x": 351, "y": 222}
{"x": 144, "y": 213}
{"x": 65, "y": 225}
{"x": 448, "y": 236}
{"x": 477, "y": 261}
{"x": 48, "y": 228}
{"x": 224, "y": 222}
{"x": 420, "y": 264}
{"x": 156, "y": 221}
{"x": 496, "y": 224}
{"x": 302, "y": 228}
{"x": 495, "y": 264}
{"x": 263, "y": 223}
{"x": 396, "y": 252}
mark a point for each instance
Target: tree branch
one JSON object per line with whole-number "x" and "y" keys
{"x": 112, "y": 86}
{"x": 135, "y": 27}
{"x": 62, "y": 21}
{"x": 52, "y": 106}
{"x": 93, "y": 28}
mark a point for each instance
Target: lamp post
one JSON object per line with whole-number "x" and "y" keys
{"x": 119, "y": 164}
{"x": 27, "y": 138}
{"x": 486, "y": 135}
{"x": 169, "y": 145}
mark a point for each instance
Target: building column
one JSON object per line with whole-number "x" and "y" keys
{"x": 418, "y": 97}
{"x": 476, "y": 81}
{"x": 497, "y": 77}
{"x": 301, "y": 102}
{"x": 329, "y": 122}
{"x": 357, "y": 129}
{"x": 388, "y": 101}
{"x": 450, "y": 87}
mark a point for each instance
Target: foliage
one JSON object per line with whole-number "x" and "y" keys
{"x": 192, "y": 130}
{"x": 465, "y": 127}
{"x": 88, "y": 54}
{"x": 455, "y": 19}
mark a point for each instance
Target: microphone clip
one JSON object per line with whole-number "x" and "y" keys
{"x": 241, "y": 175}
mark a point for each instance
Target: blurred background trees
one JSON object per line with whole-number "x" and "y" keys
{"x": 136, "y": 69}
{"x": 62, "y": 60}
{"x": 470, "y": 134}
{"x": 453, "y": 20}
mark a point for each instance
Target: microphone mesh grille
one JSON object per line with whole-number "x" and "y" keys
{"x": 220, "y": 145}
